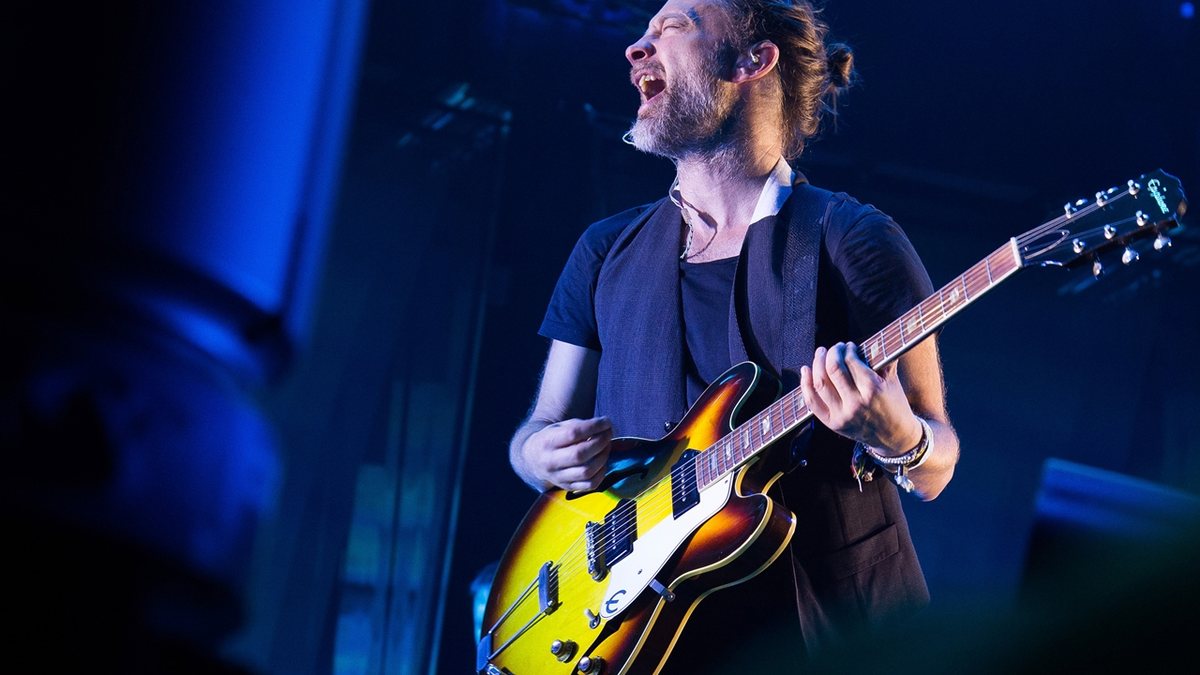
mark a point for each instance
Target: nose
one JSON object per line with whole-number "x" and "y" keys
{"x": 639, "y": 50}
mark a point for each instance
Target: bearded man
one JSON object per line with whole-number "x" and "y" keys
{"x": 743, "y": 260}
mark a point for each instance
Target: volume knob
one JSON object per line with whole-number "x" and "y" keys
{"x": 590, "y": 665}
{"x": 563, "y": 650}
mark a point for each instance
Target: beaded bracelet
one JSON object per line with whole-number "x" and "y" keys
{"x": 906, "y": 462}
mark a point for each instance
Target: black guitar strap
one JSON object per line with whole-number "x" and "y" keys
{"x": 780, "y": 341}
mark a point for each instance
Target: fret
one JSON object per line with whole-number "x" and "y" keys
{"x": 913, "y": 322}
{"x": 871, "y": 351}
{"x": 928, "y": 308}
{"x": 956, "y": 298}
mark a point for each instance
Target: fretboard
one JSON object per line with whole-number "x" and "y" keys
{"x": 789, "y": 412}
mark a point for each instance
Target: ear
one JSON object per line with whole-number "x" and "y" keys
{"x": 756, "y": 62}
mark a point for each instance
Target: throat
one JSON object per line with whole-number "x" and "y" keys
{"x": 703, "y": 244}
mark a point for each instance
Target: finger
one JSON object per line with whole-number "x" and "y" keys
{"x": 583, "y": 452}
{"x": 811, "y": 398}
{"x": 822, "y": 383}
{"x": 592, "y": 471}
{"x": 865, "y": 379}
{"x": 839, "y": 372}
{"x": 572, "y": 431}
{"x": 581, "y": 485}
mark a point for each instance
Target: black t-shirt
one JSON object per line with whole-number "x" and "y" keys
{"x": 706, "y": 289}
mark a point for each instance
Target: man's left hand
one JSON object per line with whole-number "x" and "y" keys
{"x": 858, "y": 403}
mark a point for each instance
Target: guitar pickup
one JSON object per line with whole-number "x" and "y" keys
{"x": 608, "y": 542}
{"x": 685, "y": 489}
{"x": 548, "y": 588}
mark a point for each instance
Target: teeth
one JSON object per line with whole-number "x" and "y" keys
{"x": 644, "y": 79}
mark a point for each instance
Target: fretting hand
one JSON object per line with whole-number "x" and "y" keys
{"x": 850, "y": 398}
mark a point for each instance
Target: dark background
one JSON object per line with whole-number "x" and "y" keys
{"x": 396, "y": 351}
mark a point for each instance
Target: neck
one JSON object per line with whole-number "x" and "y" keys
{"x": 723, "y": 187}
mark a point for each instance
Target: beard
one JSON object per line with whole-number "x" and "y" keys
{"x": 694, "y": 117}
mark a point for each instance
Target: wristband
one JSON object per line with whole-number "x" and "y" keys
{"x": 900, "y": 465}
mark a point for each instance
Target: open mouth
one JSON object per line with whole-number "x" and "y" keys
{"x": 650, "y": 86}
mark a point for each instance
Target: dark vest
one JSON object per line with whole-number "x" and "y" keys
{"x": 642, "y": 383}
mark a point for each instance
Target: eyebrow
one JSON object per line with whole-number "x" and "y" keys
{"x": 690, "y": 15}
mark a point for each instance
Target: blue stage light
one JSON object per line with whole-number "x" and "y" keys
{"x": 1187, "y": 10}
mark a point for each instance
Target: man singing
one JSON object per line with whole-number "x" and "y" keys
{"x": 742, "y": 259}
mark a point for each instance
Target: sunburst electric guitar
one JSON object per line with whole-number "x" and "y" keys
{"x": 604, "y": 581}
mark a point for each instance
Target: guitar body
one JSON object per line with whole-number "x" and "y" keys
{"x": 666, "y": 552}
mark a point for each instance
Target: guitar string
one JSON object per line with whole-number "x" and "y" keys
{"x": 892, "y": 331}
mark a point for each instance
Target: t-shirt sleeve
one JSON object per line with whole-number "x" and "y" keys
{"x": 571, "y": 314}
{"x": 882, "y": 273}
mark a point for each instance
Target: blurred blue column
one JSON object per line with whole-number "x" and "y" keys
{"x": 171, "y": 171}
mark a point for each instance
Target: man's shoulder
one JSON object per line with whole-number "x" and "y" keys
{"x": 601, "y": 234}
{"x": 849, "y": 215}
{"x": 845, "y": 207}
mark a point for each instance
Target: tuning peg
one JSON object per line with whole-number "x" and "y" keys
{"x": 1077, "y": 245}
{"x": 1142, "y": 219}
{"x": 1109, "y": 231}
{"x": 1129, "y": 255}
{"x": 1101, "y": 199}
{"x": 1097, "y": 268}
{"x": 1133, "y": 187}
{"x": 1068, "y": 209}
{"x": 1161, "y": 241}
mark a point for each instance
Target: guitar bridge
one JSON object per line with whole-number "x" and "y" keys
{"x": 548, "y": 588}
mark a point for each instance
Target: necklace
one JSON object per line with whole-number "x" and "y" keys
{"x": 677, "y": 199}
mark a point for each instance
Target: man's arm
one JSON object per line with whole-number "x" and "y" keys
{"x": 554, "y": 447}
{"x": 880, "y": 409}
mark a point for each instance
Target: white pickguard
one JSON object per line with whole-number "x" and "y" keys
{"x": 633, "y": 573}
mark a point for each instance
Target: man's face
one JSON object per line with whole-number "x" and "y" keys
{"x": 681, "y": 68}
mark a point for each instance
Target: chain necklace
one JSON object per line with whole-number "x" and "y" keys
{"x": 677, "y": 199}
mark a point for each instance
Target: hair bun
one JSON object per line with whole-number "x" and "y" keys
{"x": 840, "y": 61}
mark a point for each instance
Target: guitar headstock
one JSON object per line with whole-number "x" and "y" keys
{"x": 1119, "y": 218}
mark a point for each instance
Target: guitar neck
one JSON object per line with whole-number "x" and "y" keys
{"x": 789, "y": 412}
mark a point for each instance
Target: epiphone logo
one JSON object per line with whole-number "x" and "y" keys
{"x": 1160, "y": 197}
{"x": 610, "y": 605}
